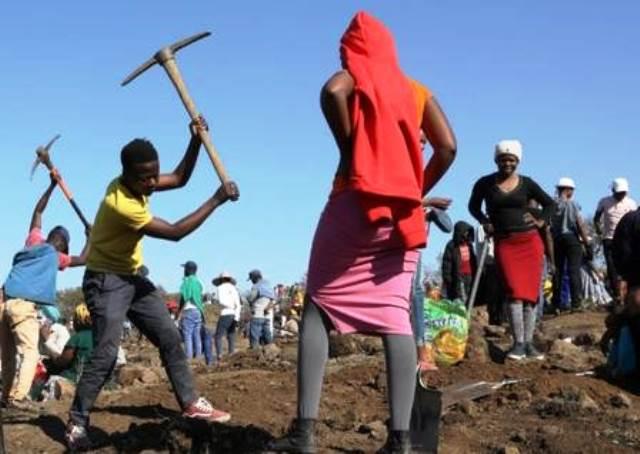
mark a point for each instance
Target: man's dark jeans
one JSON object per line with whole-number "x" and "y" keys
{"x": 111, "y": 298}
{"x": 568, "y": 250}
{"x": 612, "y": 274}
{"x": 226, "y": 327}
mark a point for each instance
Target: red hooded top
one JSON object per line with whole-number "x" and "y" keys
{"x": 387, "y": 165}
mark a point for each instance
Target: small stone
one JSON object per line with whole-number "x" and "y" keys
{"x": 550, "y": 430}
{"x": 468, "y": 407}
{"x": 376, "y": 430}
{"x": 620, "y": 400}
{"x": 587, "y": 403}
{"x": 271, "y": 352}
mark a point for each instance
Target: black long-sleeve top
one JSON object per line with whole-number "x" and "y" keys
{"x": 506, "y": 210}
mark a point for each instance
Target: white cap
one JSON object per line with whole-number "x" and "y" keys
{"x": 566, "y": 182}
{"x": 512, "y": 147}
{"x": 620, "y": 185}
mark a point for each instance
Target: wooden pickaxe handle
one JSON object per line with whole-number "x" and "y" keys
{"x": 67, "y": 194}
{"x": 176, "y": 79}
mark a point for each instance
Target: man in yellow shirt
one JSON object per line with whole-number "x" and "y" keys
{"x": 114, "y": 290}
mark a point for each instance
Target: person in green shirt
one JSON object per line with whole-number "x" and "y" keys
{"x": 78, "y": 349}
{"x": 191, "y": 310}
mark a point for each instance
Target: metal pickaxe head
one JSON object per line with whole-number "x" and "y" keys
{"x": 163, "y": 55}
{"x": 42, "y": 156}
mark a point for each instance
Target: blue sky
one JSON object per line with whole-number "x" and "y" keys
{"x": 559, "y": 76}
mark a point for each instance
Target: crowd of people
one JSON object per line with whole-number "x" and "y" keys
{"x": 364, "y": 273}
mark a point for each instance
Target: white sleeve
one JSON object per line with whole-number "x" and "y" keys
{"x": 56, "y": 342}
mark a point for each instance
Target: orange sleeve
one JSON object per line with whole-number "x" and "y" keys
{"x": 421, "y": 94}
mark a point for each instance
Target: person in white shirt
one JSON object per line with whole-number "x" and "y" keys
{"x": 609, "y": 212}
{"x": 53, "y": 337}
{"x": 229, "y": 299}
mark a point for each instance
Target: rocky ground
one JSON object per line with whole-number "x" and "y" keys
{"x": 556, "y": 408}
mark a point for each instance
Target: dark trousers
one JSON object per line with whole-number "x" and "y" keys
{"x": 612, "y": 274}
{"x": 492, "y": 292}
{"x": 226, "y": 327}
{"x": 568, "y": 250}
{"x": 111, "y": 298}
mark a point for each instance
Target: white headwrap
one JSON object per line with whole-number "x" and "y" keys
{"x": 512, "y": 147}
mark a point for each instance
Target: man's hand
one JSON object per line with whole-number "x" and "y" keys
{"x": 531, "y": 221}
{"x": 436, "y": 202}
{"x": 200, "y": 124}
{"x": 623, "y": 290}
{"x": 551, "y": 268}
{"x": 227, "y": 191}
{"x": 53, "y": 177}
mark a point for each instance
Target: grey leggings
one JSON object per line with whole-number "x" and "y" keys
{"x": 313, "y": 351}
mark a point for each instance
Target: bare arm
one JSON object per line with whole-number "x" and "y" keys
{"x": 334, "y": 100}
{"x": 182, "y": 173}
{"x": 159, "y": 228}
{"x": 66, "y": 358}
{"x": 36, "y": 218}
{"x": 81, "y": 260}
{"x": 596, "y": 220}
{"x": 443, "y": 141}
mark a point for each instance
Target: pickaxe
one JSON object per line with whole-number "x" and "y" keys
{"x": 165, "y": 57}
{"x": 44, "y": 158}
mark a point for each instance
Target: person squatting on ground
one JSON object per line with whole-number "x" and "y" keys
{"x": 229, "y": 299}
{"x": 459, "y": 263}
{"x": 609, "y": 212}
{"x": 67, "y": 367}
{"x": 261, "y": 298}
{"x": 31, "y": 287}
{"x": 113, "y": 289}
{"x": 518, "y": 246}
{"x": 191, "y": 310}
{"x": 570, "y": 236}
{"x": 365, "y": 248}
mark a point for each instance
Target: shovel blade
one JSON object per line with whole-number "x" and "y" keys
{"x": 425, "y": 419}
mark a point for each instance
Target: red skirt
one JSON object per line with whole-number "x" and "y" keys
{"x": 520, "y": 259}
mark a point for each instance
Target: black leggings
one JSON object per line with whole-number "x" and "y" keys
{"x": 313, "y": 352}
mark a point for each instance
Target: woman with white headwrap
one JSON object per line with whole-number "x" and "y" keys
{"x": 518, "y": 246}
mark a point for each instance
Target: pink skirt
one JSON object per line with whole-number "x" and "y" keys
{"x": 359, "y": 273}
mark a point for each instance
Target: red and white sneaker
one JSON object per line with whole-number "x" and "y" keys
{"x": 202, "y": 409}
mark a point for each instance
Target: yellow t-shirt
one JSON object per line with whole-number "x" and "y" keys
{"x": 116, "y": 240}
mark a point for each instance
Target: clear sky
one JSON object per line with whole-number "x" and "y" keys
{"x": 561, "y": 76}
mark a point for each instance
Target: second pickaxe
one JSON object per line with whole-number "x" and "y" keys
{"x": 44, "y": 158}
{"x": 165, "y": 57}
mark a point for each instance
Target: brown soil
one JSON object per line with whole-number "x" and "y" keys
{"x": 552, "y": 412}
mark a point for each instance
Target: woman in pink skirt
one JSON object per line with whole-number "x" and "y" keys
{"x": 365, "y": 248}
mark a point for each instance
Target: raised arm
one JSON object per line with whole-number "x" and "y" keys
{"x": 36, "y": 218}
{"x": 181, "y": 174}
{"x": 596, "y": 219}
{"x": 334, "y": 101}
{"x": 81, "y": 260}
{"x": 159, "y": 228}
{"x": 443, "y": 141}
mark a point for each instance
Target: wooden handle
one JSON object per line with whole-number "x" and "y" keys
{"x": 68, "y": 195}
{"x": 174, "y": 74}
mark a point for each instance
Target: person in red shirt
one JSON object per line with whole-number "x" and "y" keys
{"x": 459, "y": 263}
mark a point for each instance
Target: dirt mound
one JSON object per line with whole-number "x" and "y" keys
{"x": 552, "y": 410}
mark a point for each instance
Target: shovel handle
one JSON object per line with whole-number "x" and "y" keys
{"x": 174, "y": 75}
